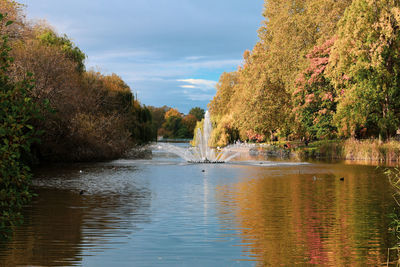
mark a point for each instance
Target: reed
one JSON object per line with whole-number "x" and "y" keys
{"x": 372, "y": 150}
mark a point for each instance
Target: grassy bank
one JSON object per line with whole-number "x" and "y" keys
{"x": 371, "y": 150}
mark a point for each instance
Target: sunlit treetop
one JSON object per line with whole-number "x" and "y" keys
{"x": 49, "y": 37}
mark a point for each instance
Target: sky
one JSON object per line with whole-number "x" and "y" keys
{"x": 170, "y": 52}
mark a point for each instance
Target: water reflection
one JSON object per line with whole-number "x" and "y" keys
{"x": 62, "y": 226}
{"x": 167, "y": 212}
{"x": 311, "y": 217}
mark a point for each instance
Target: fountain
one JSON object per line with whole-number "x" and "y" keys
{"x": 201, "y": 153}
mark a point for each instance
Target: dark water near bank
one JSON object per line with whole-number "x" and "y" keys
{"x": 164, "y": 212}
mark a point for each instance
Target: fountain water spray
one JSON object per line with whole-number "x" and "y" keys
{"x": 201, "y": 153}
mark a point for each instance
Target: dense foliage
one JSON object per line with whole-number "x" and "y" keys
{"x": 17, "y": 112}
{"x": 322, "y": 69}
{"x": 171, "y": 124}
{"x": 315, "y": 98}
{"x": 366, "y": 54}
{"x": 46, "y": 93}
{"x": 92, "y": 116}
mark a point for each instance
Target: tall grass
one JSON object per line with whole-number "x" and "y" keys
{"x": 372, "y": 150}
{"x": 394, "y": 178}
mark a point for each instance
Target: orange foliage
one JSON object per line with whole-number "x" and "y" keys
{"x": 172, "y": 113}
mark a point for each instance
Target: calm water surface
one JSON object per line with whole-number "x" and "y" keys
{"x": 165, "y": 212}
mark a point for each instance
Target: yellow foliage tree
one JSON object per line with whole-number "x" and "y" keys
{"x": 172, "y": 113}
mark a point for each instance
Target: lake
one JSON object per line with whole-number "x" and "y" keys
{"x": 166, "y": 212}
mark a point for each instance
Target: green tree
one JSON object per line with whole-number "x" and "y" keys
{"x": 49, "y": 37}
{"x": 172, "y": 127}
{"x": 17, "y": 135}
{"x": 197, "y": 112}
{"x": 158, "y": 118}
{"x": 365, "y": 68}
{"x": 314, "y": 101}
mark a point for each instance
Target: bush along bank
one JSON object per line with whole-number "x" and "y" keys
{"x": 52, "y": 109}
{"x": 17, "y": 112}
{"x": 88, "y": 116}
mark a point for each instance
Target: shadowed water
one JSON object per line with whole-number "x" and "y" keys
{"x": 168, "y": 212}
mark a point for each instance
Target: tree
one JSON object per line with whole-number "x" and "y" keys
{"x": 189, "y": 121}
{"x": 158, "y": 118}
{"x": 290, "y": 31}
{"x": 172, "y": 126}
{"x": 260, "y": 105}
{"x": 256, "y": 100}
{"x": 49, "y": 37}
{"x": 93, "y": 116}
{"x": 17, "y": 29}
{"x": 365, "y": 68}
{"x": 315, "y": 98}
{"x": 220, "y": 104}
{"x": 172, "y": 113}
{"x": 17, "y": 110}
{"x": 197, "y": 112}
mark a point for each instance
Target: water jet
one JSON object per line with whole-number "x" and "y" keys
{"x": 202, "y": 152}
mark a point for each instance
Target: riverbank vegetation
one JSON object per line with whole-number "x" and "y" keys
{"x": 17, "y": 112}
{"x": 320, "y": 71}
{"x": 88, "y": 115}
{"x": 371, "y": 150}
{"x": 53, "y": 109}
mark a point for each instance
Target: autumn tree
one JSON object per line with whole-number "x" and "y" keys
{"x": 365, "y": 67}
{"x": 190, "y": 121}
{"x": 172, "y": 113}
{"x": 262, "y": 105}
{"x": 48, "y": 37}
{"x": 315, "y": 99}
{"x": 14, "y": 13}
{"x": 173, "y": 127}
{"x": 256, "y": 100}
{"x": 93, "y": 116}
{"x": 220, "y": 104}
{"x": 290, "y": 31}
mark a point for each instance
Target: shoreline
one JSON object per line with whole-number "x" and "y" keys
{"x": 366, "y": 151}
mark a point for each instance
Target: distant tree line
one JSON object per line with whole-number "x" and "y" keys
{"x": 169, "y": 123}
{"x": 321, "y": 70}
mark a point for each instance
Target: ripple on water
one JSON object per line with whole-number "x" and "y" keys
{"x": 165, "y": 211}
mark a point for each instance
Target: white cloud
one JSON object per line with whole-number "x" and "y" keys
{"x": 205, "y": 89}
{"x": 187, "y": 86}
{"x": 203, "y": 85}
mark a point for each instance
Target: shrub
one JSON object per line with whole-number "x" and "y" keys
{"x": 17, "y": 135}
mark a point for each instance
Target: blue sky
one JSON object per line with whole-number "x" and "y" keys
{"x": 170, "y": 52}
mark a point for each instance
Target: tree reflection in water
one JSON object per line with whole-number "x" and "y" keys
{"x": 61, "y": 222}
{"x": 310, "y": 217}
